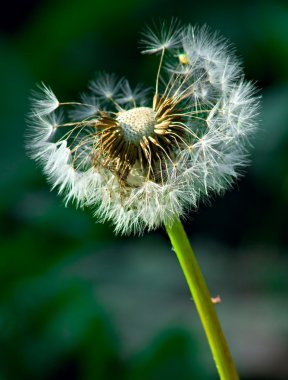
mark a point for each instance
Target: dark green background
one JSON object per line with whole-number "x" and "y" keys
{"x": 76, "y": 302}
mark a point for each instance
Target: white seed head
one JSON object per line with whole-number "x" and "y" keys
{"x": 139, "y": 161}
{"x": 136, "y": 123}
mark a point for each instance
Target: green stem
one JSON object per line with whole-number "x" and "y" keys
{"x": 201, "y": 297}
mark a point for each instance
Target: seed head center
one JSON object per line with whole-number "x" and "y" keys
{"x": 136, "y": 123}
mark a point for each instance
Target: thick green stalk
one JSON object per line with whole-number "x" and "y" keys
{"x": 202, "y": 299}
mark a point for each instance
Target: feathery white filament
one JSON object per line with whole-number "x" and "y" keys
{"x": 44, "y": 101}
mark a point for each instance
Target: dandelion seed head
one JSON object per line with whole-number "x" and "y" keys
{"x": 139, "y": 156}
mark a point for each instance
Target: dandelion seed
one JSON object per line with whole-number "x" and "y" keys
{"x": 166, "y": 36}
{"x": 44, "y": 101}
{"x": 141, "y": 160}
{"x": 130, "y": 97}
{"x": 105, "y": 86}
{"x": 90, "y": 106}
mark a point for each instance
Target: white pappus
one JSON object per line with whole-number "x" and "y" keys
{"x": 140, "y": 157}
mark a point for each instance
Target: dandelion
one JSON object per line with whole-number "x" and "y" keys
{"x": 142, "y": 158}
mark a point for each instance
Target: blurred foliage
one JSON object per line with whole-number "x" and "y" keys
{"x": 52, "y": 326}
{"x": 52, "y": 329}
{"x": 171, "y": 356}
